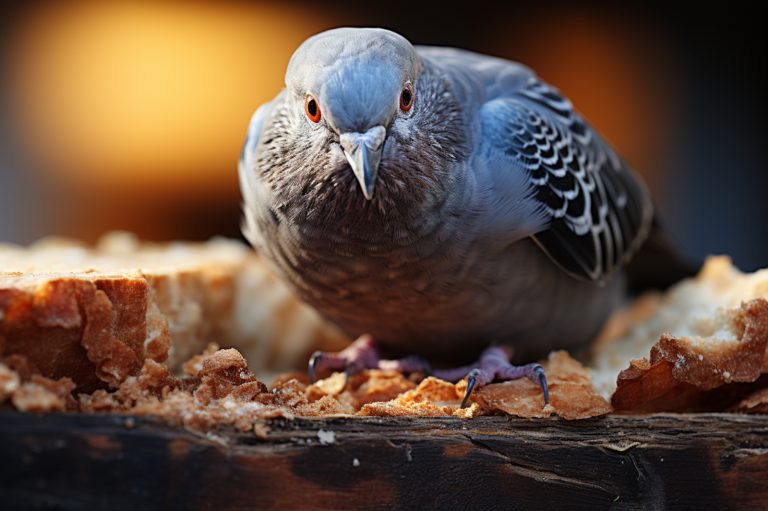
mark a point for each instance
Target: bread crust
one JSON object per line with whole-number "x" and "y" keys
{"x": 96, "y": 329}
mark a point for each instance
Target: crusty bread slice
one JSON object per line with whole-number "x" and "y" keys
{"x": 94, "y": 314}
{"x": 705, "y": 332}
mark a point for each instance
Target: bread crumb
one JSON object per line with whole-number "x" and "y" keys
{"x": 326, "y": 437}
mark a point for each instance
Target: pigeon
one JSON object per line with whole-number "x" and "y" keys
{"x": 444, "y": 205}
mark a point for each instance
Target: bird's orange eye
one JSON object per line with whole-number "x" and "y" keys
{"x": 312, "y": 109}
{"x": 406, "y": 98}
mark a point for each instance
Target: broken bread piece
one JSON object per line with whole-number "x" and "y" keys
{"x": 386, "y": 394}
{"x": 28, "y": 391}
{"x": 220, "y": 389}
{"x": 704, "y": 333}
{"x": 734, "y": 351}
{"x": 93, "y": 327}
{"x": 225, "y": 392}
{"x": 571, "y": 395}
{"x": 95, "y": 314}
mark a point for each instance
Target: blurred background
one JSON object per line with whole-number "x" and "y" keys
{"x": 130, "y": 114}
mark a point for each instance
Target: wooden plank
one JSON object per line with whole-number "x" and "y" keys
{"x": 78, "y": 462}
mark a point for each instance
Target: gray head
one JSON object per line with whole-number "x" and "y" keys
{"x": 355, "y": 74}
{"x": 354, "y": 81}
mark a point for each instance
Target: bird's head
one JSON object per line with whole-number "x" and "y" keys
{"x": 351, "y": 84}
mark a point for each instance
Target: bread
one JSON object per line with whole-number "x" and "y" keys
{"x": 705, "y": 332}
{"x": 95, "y": 314}
{"x": 135, "y": 327}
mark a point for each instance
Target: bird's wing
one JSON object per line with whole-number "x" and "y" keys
{"x": 596, "y": 210}
{"x": 246, "y": 169}
{"x": 599, "y": 211}
{"x": 252, "y": 137}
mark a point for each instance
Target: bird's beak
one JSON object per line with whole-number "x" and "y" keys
{"x": 363, "y": 152}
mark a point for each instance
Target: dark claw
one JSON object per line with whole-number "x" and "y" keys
{"x": 313, "y": 361}
{"x": 424, "y": 365}
{"x": 352, "y": 368}
{"x": 539, "y": 371}
{"x": 471, "y": 380}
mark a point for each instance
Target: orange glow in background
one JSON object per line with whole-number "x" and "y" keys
{"x": 134, "y": 113}
{"x": 136, "y": 95}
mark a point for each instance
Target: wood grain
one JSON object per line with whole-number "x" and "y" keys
{"x": 74, "y": 462}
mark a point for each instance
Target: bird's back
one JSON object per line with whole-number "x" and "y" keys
{"x": 476, "y": 78}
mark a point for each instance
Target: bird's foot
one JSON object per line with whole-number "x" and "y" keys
{"x": 494, "y": 364}
{"x": 363, "y": 354}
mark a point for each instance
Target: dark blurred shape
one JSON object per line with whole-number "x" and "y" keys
{"x": 659, "y": 263}
{"x": 131, "y": 114}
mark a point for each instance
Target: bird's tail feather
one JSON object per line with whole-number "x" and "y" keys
{"x": 659, "y": 263}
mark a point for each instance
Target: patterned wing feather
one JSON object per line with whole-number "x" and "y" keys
{"x": 600, "y": 212}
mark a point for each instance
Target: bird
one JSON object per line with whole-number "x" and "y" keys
{"x": 444, "y": 205}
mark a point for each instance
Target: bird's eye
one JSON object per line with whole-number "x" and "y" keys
{"x": 406, "y": 98}
{"x": 312, "y": 109}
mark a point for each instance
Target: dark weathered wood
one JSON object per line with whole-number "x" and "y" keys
{"x": 713, "y": 461}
